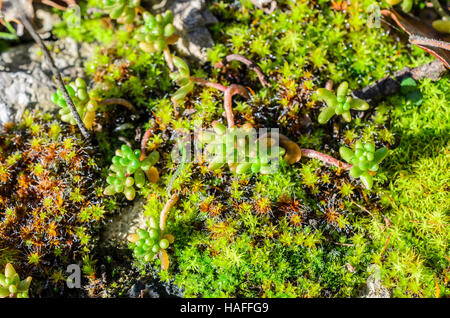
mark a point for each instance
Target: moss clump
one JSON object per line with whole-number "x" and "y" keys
{"x": 307, "y": 230}
{"x": 50, "y": 199}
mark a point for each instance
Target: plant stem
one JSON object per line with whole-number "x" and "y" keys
{"x": 228, "y": 101}
{"x": 55, "y": 72}
{"x": 325, "y": 158}
{"x": 249, "y": 63}
{"x": 118, "y": 101}
{"x": 165, "y": 211}
{"x": 144, "y": 141}
{"x": 204, "y": 82}
{"x": 168, "y": 58}
{"x": 54, "y": 5}
{"x": 437, "y": 6}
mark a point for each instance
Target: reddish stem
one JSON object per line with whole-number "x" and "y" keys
{"x": 118, "y": 101}
{"x": 201, "y": 81}
{"x": 144, "y": 141}
{"x": 228, "y": 101}
{"x": 309, "y": 153}
{"x": 54, "y": 5}
{"x": 249, "y": 63}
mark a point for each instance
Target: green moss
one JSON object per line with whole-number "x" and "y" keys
{"x": 416, "y": 258}
{"x": 307, "y": 230}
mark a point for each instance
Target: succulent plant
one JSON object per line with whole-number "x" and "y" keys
{"x": 442, "y": 25}
{"x": 406, "y": 5}
{"x": 339, "y": 103}
{"x": 364, "y": 160}
{"x": 240, "y": 149}
{"x": 11, "y": 286}
{"x": 128, "y": 171}
{"x": 85, "y": 106}
{"x": 124, "y": 11}
{"x": 157, "y": 32}
{"x": 182, "y": 78}
{"x": 147, "y": 243}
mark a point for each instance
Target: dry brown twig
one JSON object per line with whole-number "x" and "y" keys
{"x": 59, "y": 81}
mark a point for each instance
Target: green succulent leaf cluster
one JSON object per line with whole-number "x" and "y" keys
{"x": 339, "y": 103}
{"x": 182, "y": 78}
{"x": 11, "y": 34}
{"x": 79, "y": 94}
{"x": 147, "y": 243}
{"x": 128, "y": 171}
{"x": 239, "y": 148}
{"x": 157, "y": 32}
{"x": 122, "y": 10}
{"x": 11, "y": 286}
{"x": 406, "y": 5}
{"x": 364, "y": 159}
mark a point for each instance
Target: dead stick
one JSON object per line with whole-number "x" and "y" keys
{"x": 165, "y": 211}
{"x": 228, "y": 101}
{"x": 55, "y": 72}
{"x": 419, "y": 40}
{"x": 313, "y": 154}
{"x": 249, "y": 63}
{"x": 391, "y": 84}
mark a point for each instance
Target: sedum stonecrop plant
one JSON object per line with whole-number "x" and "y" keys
{"x": 85, "y": 106}
{"x": 406, "y": 5}
{"x": 239, "y": 148}
{"x": 11, "y": 286}
{"x": 157, "y": 32}
{"x": 124, "y": 11}
{"x": 182, "y": 78}
{"x": 128, "y": 171}
{"x": 365, "y": 160}
{"x": 339, "y": 103}
{"x": 146, "y": 244}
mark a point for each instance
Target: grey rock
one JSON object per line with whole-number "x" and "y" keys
{"x": 26, "y": 79}
{"x": 154, "y": 288}
{"x": 191, "y": 18}
{"x": 126, "y": 222}
{"x": 373, "y": 287}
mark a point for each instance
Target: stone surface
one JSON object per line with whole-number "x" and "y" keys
{"x": 154, "y": 289}
{"x": 191, "y": 18}
{"x": 26, "y": 80}
{"x": 127, "y": 221}
{"x": 373, "y": 287}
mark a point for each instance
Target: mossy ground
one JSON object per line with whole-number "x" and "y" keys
{"x": 308, "y": 230}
